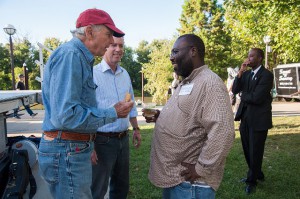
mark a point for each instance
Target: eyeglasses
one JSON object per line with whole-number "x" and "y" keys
{"x": 175, "y": 51}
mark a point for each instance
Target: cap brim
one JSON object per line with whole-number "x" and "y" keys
{"x": 117, "y": 32}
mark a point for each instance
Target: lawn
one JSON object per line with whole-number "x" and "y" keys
{"x": 281, "y": 166}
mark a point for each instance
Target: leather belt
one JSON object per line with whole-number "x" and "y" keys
{"x": 113, "y": 134}
{"x": 74, "y": 136}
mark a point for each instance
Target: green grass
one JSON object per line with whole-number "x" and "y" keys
{"x": 281, "y": 166}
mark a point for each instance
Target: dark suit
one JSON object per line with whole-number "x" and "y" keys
{"x": 255, "y": 113}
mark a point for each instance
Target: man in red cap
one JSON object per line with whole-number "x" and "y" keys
{"x": 71, "y": 113}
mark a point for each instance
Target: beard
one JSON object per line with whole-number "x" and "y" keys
{"x": 184, "y": 69}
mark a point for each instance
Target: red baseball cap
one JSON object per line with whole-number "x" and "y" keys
{"x": 98, "y": 17}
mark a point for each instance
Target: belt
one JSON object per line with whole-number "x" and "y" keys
{"x": 74, "y": 136}
{"x": 113, "y": 134}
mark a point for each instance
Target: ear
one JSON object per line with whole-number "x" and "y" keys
{"x": 89, "y": 32}
{"x": 193, "y": 51}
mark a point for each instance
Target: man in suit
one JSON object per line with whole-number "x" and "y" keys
{"x": 254, "y": 113}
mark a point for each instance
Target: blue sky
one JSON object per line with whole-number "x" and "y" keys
{"x": 139, "y": 19}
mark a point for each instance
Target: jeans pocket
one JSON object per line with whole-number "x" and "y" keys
{"x": 79, "y": 148}
{"x": 48, "y": 163}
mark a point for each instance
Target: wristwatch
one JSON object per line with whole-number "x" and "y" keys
{"x": 136, "y": 128}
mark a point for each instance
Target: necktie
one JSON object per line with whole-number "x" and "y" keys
{"x": 251, "y": 75}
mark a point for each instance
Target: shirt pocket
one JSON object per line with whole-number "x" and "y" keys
{"x": 186, "y": 104}
{"x": 88, "y": 91}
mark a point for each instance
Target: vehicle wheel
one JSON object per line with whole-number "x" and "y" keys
{"x": 288, "y": 99}
{"x": 297, "y": 100}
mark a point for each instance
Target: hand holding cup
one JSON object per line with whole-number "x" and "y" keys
{"x": 150, "y": 113}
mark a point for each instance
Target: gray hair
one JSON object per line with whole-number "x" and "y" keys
{"x": 79, "y": 32}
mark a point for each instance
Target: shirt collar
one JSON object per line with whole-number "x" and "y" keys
{"x": 105, "y": 67}
{"x": 194, "y": 73}
{"x": 256, "y": 70}
{"x": 88, "y": 55}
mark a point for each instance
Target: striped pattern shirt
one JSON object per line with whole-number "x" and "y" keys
{"x": 112, "y": 88}
{"x": 195, "y": 128}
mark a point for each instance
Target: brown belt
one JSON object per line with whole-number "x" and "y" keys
{"x": 74, "y": 136}
{"x": 113, "y": 134}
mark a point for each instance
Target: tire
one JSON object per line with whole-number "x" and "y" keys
{"x": 288, "y": 99}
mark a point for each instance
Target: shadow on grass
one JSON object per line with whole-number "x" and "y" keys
{"x": 283, "y": 126}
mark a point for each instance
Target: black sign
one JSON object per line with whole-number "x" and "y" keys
{"x": 286, "y": 80}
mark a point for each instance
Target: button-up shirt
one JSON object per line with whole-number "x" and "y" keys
{"x": 69, "y": 91}
{"x": 112, "y": 88}
{"x": 195, "y": 126}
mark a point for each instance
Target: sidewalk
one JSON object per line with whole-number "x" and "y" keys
{"x": 33, "y": 126}
{"x": 27, "y": 125}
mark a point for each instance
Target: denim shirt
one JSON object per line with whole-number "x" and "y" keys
{"x": 112, "y": 88}
{"x": 68, "y": 91}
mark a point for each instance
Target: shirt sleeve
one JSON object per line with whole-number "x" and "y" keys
{"x": 133, "y": 112}
{"x": 217, "y": 119}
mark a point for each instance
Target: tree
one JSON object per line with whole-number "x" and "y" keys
{"x": 143, "y": 51}
{"x": 142, "y": 56}
{"x": 158, "y": 71}
{"x": 23, "y": 54}
{"x": 248, "y": 21}
{"x": 5, "y": 73}
{"x": 205, "y": 18}
{"x": 132, "y": 67}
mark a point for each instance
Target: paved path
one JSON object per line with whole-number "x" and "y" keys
{"x": 34, "y": 125}
{"x": 28, "y": 125}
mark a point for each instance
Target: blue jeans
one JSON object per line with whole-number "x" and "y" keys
{"x": 113, "y": 163}
{"x": 27, "y": 108}
{"x": 66, "y": 167}
{"x": 185, "y": 190}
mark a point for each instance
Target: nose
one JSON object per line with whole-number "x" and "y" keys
{"x": 171, "y": 57}
{"x": 118, "y": 48}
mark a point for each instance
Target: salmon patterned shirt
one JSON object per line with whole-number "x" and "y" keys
{"x": 196, "y": 126}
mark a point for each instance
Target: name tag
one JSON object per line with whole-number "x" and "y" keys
{"x": 186, "y": 89}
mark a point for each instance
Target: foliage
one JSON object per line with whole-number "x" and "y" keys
{"x": 280, "y": 165}
{"x": 248, "y": 21}
{"x": 133, "y": 68}
{"x": 52, "y": 44}
{"x": 24, "y": 53}
{"x": 205, "y": 18}
{"x": 158, "y": 71}
{"x": 142, "y": 56}
{"x": 5, "y": 69}
{"x": 143, "y": 51}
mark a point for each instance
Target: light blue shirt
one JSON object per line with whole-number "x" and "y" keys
{"x": 112, "y": 88}
{"x": 68, "y": 91}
